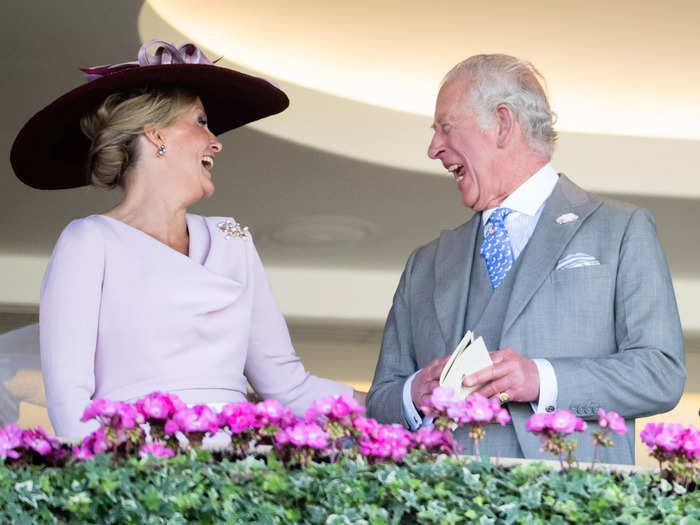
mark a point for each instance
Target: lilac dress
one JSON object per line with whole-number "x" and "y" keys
{"x": 123, "y": 314}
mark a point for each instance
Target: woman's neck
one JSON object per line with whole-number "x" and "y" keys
{"x": 155, "y": 215}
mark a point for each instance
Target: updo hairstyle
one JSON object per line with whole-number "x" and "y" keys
{"x": 114, "y": 127}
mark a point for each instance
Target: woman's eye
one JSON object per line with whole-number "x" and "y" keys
{"x": 202, "y": 121}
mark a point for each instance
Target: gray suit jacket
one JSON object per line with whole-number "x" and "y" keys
{"x": 611, "y": 332}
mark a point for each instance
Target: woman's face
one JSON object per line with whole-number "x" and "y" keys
{"x": 190, "y": 151}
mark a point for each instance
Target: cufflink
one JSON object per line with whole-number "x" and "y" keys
{"x": 549, "y": 408}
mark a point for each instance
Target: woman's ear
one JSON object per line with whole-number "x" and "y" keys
{"x": 154, "y": 135}
{"x": 505, "y": 122}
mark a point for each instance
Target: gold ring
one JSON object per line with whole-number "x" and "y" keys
{"x": 503, "y": 397}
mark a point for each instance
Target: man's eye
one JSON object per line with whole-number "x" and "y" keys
{"x": 202, "y": 121}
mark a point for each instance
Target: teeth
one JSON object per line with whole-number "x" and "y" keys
{"x": 208, "y": 162}
{"x": 453, "y": 169}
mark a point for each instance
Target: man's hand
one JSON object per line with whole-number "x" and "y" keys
{"x": 426, "y": 381}
{"x": 511, "y": 373}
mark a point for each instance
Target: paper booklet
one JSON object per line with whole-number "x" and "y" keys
{"x": 469, "y": 357}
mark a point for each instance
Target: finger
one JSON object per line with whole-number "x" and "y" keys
{"x": 496, "y": 356}
{"x": 494, "y": 388}
{"x": 490, "y": 373}
{"x": 439, "y": 363}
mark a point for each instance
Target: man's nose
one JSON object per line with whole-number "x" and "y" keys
{"x": 435, "y": 147}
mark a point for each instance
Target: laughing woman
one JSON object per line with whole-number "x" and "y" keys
{"x": 146, "y": 296}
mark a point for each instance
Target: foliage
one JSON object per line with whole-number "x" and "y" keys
{"x": 334, "y": 465}
{"x": 196, "y": 487}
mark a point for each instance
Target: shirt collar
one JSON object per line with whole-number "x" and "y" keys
{"x": 530, "y": 195}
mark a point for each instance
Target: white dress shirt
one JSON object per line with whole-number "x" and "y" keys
{"x": 527, "y": 203}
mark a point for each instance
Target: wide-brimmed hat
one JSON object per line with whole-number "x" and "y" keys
{"x": 50, "y": 151}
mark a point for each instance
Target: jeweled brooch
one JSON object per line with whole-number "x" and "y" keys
{"x": 231, "y": 228}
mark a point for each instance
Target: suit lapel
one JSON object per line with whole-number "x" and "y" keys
{"x": 547, "y": 243}
{"x": 453, "y": 264}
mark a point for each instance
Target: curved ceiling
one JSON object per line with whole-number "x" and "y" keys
{"x": 611, "y": 67}
{"x": 363, "y": 76}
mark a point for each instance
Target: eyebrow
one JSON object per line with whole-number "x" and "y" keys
{"x": 439, "y": 122}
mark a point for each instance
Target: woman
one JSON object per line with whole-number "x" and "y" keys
{"x": 146, "y": 296}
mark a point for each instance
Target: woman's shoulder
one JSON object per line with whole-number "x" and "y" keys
{"x": 81, "y": 236}
{"x": 83, "y": 229}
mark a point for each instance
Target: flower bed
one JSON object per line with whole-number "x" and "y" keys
{"x": 332, "y": 466}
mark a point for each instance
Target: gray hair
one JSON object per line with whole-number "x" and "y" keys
{"x": 503, "y": 79}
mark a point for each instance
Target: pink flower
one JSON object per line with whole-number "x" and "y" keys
{"x": 319, "y": 408}
{"x": 97, "y": 441}
{"x": 649, "y": 433}
{"x": 460, "y": 411}
{"x": 170, "y": 427}
{"x": 199, "y": 418}
{"x": 670, "y": 437}
{"x": 238, "y": 416}
{"x": 441, "y": 398}
{"x": 428, "y": 437}
{"x": 690, "y": 442}
{"x": 581, "y": 425}
{"x": 364, "y": 424}
{"x": 10, "y": 439}
{"x": 480, "y": 408}
{"x": 502, "y": 416}
{"x": 563, "y": 421}
{"x": 612, "y": 421}
{"x": 270, "y": 411}
{"x": 82, "y": 453}
{"x": 537, "y": 422}
{"x": 340, "y": 408}
{"x": 39, "y": 441}
{"x": 297, "y": 434}
{"x": 100, "y": 409}
{"x": 157, "y": 405}
{"x": 129, "y": 415}
{"x": 282, "y": 438}
{"x": 355, "y": 407}
{"x": 316, "y": 437}
{"x": 157, "y": 450}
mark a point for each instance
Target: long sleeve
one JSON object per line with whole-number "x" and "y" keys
{"x": 272, "y": 367}
{"x": 69, "y": 314}
{"x": 396, "y": 361}
{"x": 647, "y": 373}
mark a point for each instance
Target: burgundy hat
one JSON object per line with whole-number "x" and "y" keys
{"x": 50, "y": 151}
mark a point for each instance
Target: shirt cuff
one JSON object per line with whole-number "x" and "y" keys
{"x": 549, "y": 391}
{"x": 410, "y": 413}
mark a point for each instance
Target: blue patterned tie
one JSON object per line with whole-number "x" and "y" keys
{"x": 496, "y": 247}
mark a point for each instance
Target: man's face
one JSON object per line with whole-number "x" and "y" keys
{"x": 464, "y": 150}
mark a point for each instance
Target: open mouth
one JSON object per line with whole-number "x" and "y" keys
{"x": 208, "y": 162}
{"x": 457, "y": 171}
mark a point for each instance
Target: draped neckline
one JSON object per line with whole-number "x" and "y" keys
{"x": 198, "y": 243}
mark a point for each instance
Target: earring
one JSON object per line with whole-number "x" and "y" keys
{"x": 161, "y": 151}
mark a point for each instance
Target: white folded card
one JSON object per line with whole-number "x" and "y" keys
{"x": 470, "y": 356}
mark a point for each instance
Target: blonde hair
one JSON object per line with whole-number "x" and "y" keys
{"x": 114, "y": 127}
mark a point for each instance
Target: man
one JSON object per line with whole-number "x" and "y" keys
{"x": 571, "y": 290}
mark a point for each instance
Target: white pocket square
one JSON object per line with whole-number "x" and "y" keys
{"x": 575, "y": 260}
